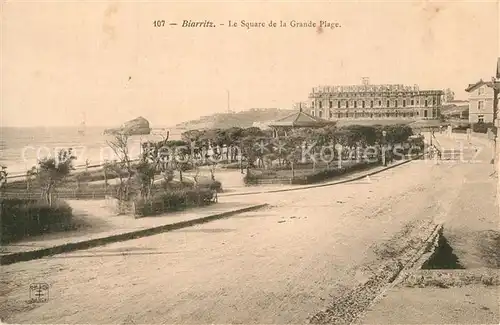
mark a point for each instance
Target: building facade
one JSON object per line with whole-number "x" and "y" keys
{"x": 481, "y": 101}
{"x": 375, "y": 102}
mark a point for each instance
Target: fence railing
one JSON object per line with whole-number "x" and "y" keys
{"x": 75, "y": 195}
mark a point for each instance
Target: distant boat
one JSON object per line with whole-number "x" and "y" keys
{"x": 81, "y": 129}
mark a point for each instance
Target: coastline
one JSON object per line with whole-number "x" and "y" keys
{"x": 21, "y": 147}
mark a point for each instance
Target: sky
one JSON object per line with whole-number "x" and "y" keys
{"x": 105, "y": 62}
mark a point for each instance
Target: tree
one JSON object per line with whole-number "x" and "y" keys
{"x": 115, "y": 167}
{"x": 30, "y": 176}
{"x": 294, "y": 146}
{"x": 179, "y": 155}
{"x": 234, "y": 136}
{"x": 3, "y": 178}
{"x": 145, "y": 175}
{"x": 53, "y": 170}
{"x": 449, "y": 95}
{"x": 119, "y": 145}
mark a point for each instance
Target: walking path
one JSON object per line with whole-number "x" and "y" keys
{"x": 260, "y": 189}
{"x": 108, "y": 228}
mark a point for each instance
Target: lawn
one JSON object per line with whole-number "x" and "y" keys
{"x": 300, "y": 170}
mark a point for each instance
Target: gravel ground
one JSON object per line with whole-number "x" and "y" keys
{"x": 280, "y": 265}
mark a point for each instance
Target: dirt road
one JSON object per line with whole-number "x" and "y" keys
{"x": 279, "y": 265}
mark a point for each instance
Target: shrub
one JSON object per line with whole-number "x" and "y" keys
{"x": 210, "y": 184}
{"x": 327, "y": 174}
{"x": 233, "y": 165}
{"x": 172, "y": 200}
{"x": 95, "y": 175}
{"x": 250, "y": 178}
{"x": 22, "y": 218}
{"x": 483, "y": 128}
{"x": 462, "y": 128}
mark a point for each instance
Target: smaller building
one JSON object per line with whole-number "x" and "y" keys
{"x": 300, "y": 119}
{"x": 456, "y": 110}
{"x": 481, "y": 101}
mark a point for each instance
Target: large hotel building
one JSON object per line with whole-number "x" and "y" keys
{"x": 367, "y": 101}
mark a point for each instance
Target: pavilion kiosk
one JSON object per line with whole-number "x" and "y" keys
{"x": 300, "y": 119}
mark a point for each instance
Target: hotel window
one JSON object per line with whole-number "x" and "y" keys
{"x": 379, "y": 103}
{"x": 480, "y": 91}
{"x": 312, "y": 105}
{"x": 338, "y": 104}
{"x": 363, "y": 104}
{"x": 480, "y": 105}
{"x": 433, "y": 101}
{"x": 320, "y": 105}
{"x": 331, "y": 104}
{"x": 355, "y": 103}
{"x": 480, "y": 119}
{"x": 371, "y": 103}
{"x": 338, "y": 115}
{"x": 347, "y": 104}
{"x": 412, "y": 102}
{"x": 395, "y": 103}
{"x": 312, "y": 113}
{"x": 331, "y": 114}
{"x": 425, "y": 113}
{"x": 320, "y": 113}
{"x": 425, "y": 103}
{"x": 346, "y": 114}
{"x": 387, "y": 103}
{"x": 404, "y": 102}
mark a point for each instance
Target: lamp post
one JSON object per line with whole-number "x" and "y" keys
{"x": 384, "y": 134}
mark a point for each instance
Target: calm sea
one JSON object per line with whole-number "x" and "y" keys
{"x": 20, "y": 148}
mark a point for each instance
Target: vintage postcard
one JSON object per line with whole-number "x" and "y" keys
{"x": 249, "y": 162}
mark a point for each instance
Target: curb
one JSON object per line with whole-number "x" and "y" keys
{"x": 325, "y": 184}
{"x": 413, "y": 264}
{"x": 86, "y": 244}
{"x": 351, "y": 308}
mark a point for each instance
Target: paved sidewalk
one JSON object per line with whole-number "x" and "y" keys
{"x": 472, "y": 229}
{"x": 259, "y": 189}
{"x": 117, "y": 228}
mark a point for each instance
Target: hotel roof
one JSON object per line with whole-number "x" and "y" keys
{"x": 300, "y": 119}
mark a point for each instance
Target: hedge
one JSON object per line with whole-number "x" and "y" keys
{"x": 327, "y": 174}
{"x": 461, "y": 128}
{"x": 22, "y": 218}
{"x": 483, "y": 128}
{"x": 233, "y": 165}
{"x": 173, "y": 200}
{"x": 251, "y": 179}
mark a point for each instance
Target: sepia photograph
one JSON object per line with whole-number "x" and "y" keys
{"x": 249, "y": 162}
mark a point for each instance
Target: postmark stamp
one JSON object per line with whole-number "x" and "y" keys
{"x": 39, "y": 292}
